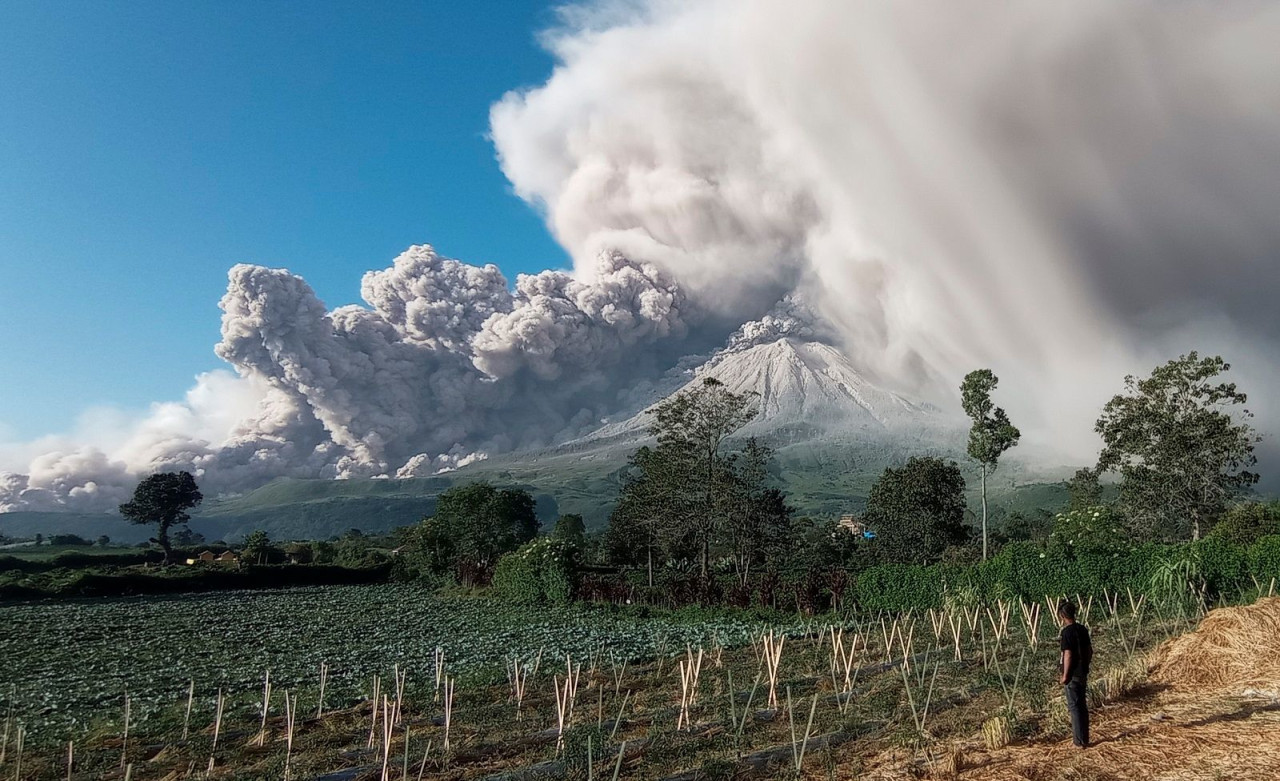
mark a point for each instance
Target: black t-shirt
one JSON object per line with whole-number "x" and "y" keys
{"x": 1075, "y": 638}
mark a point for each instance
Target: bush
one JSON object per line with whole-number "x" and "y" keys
{"x": 1247, "y": 522}
{"x": 899, "y": 587}
{"x": 1264, "y": 559}
{"x": 69, "y": 540}
{"x": 1223, "y": 564}
{"x": 1091, "y": 531}
{"x": 1027, "y": 570}
{"x": 541, "y": 571}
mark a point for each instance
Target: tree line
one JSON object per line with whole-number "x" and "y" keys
{"x": 1177, "y": 453}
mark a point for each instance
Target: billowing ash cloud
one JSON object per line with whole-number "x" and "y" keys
{"x": 1063, "y": 192}
{"x": 444, "y": 365}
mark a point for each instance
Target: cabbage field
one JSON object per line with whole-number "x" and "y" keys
{"x": 66, "y": 664}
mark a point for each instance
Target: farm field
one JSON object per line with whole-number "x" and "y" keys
{"x": 563, "y": 693}
{"x": 69, "y": 663}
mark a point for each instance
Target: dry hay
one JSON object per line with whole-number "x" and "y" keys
{"x": 1233, "y": 648}
{"x": 1198, "y": 738}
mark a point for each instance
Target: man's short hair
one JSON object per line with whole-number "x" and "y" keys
{"x": 1067, "y": 610}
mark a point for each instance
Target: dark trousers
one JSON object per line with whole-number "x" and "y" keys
{"x": 1077, "y": 692}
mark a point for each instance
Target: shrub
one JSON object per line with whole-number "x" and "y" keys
{"x": 1091, "y": 531}
{"x": 1247, "y": 522}
{"x": 1223, "y": 564}
{"x": 1027, "y": 570}
{"x": 1264, "y": 558}
{"x": 544, "y": 570}
{"x": 899, "y": 587}
{"x": 69, "y": 540}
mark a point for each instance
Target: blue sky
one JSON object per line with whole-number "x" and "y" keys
{"x": 145, "y": 147}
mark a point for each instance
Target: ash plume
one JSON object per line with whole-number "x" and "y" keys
{"x": 1063, "y": 192}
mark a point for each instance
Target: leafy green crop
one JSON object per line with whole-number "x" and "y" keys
{"x": 74, "y": 660}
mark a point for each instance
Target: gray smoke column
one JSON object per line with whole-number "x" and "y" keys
{"x": 1063, "y": 191}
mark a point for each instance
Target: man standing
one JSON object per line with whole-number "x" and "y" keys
{"x": 1077, "y": 653}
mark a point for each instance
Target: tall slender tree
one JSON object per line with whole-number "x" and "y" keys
{"x": 646, "y": 507}
{"x": 759, "y": 524}
{"x": 691, "y": 429}
{"x": 991, "y": 434}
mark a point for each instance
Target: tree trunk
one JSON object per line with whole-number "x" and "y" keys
{"x": 162, "y": 539}
{"x": 1195, "y": 526}
{"x": 706, "y": 557}
{"x": 984, "y": 512}
{"x": 650, "y": 549}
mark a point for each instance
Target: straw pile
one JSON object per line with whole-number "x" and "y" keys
{"x": 1234, "y": 648}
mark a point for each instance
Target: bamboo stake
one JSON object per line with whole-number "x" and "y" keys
{"x": 439, "y": 664}
{"x": 373, "y": 721}
{"x": 290, "y": 713}
{"x": 772, "y": 656}
{"x": 449, "y": 685}
{"x": 388, "y": 732}
{"x": 689, "y": 673}
{"x": 956, "y": 626}
{"x": 324, "y": 679}
{"x": 191, "y": 695}
{"x": 217, "y": 727}
{"x": 618, "y": 721}
{"x": 618, "y": 767}
{"x": 404, "y": 772}
{"x": 261, "y": 739}
{"x": 565, "y": 696}
{"x": 423, "y": 767}
{"x": 124, "y": 745}
{"x": 8, "y": 719}
{"x": 519, "y": 679}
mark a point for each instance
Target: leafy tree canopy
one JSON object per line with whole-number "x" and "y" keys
{"x": 917, "y": 511}
{"x": 479, "y": 523}
{"x": 163, "y": 499}
{"x": 1176, "y": 442}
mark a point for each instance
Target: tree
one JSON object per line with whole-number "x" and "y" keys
{"x": 691, "y": 429}
{"x": 187, "y": 538}
{"x": 570, "y": 528}
{"x": 163, "y": 499}
{"x": 917, "y": 511}
{"x": 1084, "y": 490}
{"x": 478, "y": 523}
{"x": 256, "y": 546}
{"x": 1245, "y": 523}
{"x": 992, "y": 433}
{"x": 104, "y": 541}
{"x": 1180, "y": 452}
{"x": 760, "y": 522}
{"x": 646, "y": 506}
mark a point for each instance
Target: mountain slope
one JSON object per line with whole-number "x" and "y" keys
{"x": 804, "y": 390}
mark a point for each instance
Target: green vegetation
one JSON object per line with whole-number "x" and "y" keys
{"x": 521, "y": 690}
{"x": 991, "y": 434}
{"x": 154, "y": 647}
{"x": 917, "y": 512}
{"x": 1181, "y": 454}
{"x": 543, "y": 571}
{"x": 163, "y": 499}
